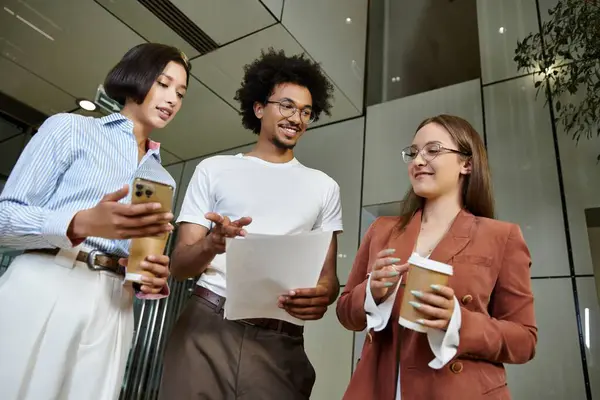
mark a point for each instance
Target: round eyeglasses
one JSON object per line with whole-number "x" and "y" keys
{"x": 429, "y": 152}
{"x": 288, "y": 108}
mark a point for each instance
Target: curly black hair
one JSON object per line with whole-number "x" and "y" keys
{"x": 274, "y": 68}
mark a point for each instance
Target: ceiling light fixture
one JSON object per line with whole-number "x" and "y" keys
{"x": 501, "y": 30}
{"x": 86, "y": 104}
{"x": 396, "y": 79}
{"x": 348, "y": 20}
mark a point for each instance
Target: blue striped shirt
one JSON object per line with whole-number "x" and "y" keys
{"x": 68, "y": 166}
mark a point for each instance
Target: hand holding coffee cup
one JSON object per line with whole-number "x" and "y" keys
{"x": 157, "y": 269}
{"x": 385, "y": 275}
{"x": 427, "y": 301}
{"x": 437, "y": 306}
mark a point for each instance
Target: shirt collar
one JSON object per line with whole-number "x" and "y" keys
{"x": 119, "y": 120}
{"x": 127, "y": 125}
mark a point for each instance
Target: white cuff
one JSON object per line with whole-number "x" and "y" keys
{"x": 444, "y": 345}
{"x": 55, "y": 228}
{"x": 378, "y": 315}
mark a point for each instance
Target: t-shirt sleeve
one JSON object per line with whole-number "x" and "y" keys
{"x": 331, "y": 214}
{"x": 198, "y": 199}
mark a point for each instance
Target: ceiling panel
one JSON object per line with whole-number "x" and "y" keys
{"x": 8, "y": 130}
{"x": 19, "y": 84}
{"x": 226, "y": 20}
{"x": 222, "y": 70}
{"x": 275, "y": 6}
{"x": 168, "y": 158}
{"x": 337, "y": 38}
{"x": 205, "y": 124}
{"x": 57, "y": 44}
{"x": 146, "y": 24}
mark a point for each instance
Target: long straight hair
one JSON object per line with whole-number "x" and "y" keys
{"x": 476, "y": 192}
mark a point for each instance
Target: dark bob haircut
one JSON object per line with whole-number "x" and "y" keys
{"x": 139, "y": 68}
{"x": 274, "y": 68}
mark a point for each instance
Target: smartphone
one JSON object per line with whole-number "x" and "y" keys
{"x": 147, "y": 191}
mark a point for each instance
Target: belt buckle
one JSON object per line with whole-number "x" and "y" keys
{"x": 91, "y": 258}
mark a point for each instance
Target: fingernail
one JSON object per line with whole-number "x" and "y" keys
{"x": 417, "y": 293}
{"x": 393, "y": 273}
{"x": 292, "y": 293}
{"x": 145, "y": 279}
{"x": 395, "y": 260}
{"x": 436, "y": 287}
{"x": 420, "y": 321}
{"x": 144, "y": 264}
{"x": 388, "y": 284}
{"x": 414, "y": 304}
{"x": 390, "y": 251}
{"x": 168, "y": 216}
{"x": 156, "y": 206}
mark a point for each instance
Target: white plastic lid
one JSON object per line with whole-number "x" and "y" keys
{"x": 416, "y": 259}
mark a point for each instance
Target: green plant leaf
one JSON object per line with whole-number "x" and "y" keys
{"x": 569, "y": 43}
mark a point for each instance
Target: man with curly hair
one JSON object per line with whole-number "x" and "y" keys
{"x": 266, "y": 191}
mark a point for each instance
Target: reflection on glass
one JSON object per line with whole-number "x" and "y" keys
{"x": 435, "y": 45}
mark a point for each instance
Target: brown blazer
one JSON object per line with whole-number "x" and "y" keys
{"x": 492, "y": 283}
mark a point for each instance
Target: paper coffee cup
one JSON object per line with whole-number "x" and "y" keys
{"x": 141, "y": 248}
{"x": 422, "y": 273}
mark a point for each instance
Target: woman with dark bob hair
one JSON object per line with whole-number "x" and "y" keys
{"x": 66, "y": 313}
{"x": 468, "y": 329}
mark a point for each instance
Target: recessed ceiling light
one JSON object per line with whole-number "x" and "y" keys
{"x": 348, "y": 20}
{"x": 86, "y": 104}
{"x": 501, "y": 30}
{"x": 396, "y": 79}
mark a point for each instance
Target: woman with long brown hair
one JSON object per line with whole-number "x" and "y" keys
{"x": 482, "y": 319}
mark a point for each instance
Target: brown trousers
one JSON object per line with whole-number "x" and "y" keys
{"x": 208, "y": 357}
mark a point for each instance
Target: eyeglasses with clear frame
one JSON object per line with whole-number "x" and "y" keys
{"x": 429, "y": 152}
{"x": 288, "y": 109}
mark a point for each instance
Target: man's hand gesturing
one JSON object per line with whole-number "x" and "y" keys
{"x": 224, "y": 228}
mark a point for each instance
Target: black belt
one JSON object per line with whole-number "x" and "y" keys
{"x": 95, "y": 260}
{"x": 265, "y": 323}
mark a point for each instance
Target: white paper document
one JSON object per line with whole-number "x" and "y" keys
{"x": 260, "y": 268}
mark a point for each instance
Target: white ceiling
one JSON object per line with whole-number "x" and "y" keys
{"x": 222, "y": 69}
{"x": 337, "y": 38}
{"x": 78, "y": 41}
{"x": 275, "y": 6}
{"x": 226, "y": 20}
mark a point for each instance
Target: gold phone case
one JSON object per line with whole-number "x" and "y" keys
{"x": 146, "y": 191}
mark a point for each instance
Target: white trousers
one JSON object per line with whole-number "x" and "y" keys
{"x": 65, "y": 333}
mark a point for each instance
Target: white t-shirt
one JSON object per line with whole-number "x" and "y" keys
{"x": 281, "y": 198}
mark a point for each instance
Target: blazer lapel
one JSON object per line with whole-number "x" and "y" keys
{"x": 404, "y": 242}
{"x": 456, "y": 239}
